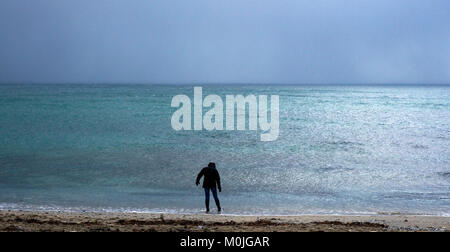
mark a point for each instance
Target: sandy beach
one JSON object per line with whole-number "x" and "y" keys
{"x": 26, "y": 221}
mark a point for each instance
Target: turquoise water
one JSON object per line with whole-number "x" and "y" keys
{"x": 341, "y": 150}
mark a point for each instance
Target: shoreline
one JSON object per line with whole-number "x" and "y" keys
{"x": 57, "y": 221}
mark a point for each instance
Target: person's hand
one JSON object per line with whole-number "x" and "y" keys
{"x": 220, "y": 189}
{"x": 197, "y": 183}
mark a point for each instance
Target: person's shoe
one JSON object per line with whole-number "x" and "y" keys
{"x": 219, "y": 210}
{"x": 207, "y": 211}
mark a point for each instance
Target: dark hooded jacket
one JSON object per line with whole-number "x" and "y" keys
{"x": 212, "y": 178}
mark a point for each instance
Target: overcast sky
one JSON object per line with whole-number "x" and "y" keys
{"x": 229, "y": 41}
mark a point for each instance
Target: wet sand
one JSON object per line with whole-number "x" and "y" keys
{"x": 26, "y": 221}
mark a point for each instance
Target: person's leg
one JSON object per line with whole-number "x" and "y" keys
{"x": 216, "y": 198}
{"x": 207, "y": 199}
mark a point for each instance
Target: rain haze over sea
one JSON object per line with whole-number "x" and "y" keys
{"x": 364, "y": 104}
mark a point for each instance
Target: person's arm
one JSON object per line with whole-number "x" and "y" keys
{"x": 219, "y": 186}
{"x": 199, "y": 176}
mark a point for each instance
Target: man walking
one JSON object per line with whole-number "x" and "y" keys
{"x": 211, "y": 179}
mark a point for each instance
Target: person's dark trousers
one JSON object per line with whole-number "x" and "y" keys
{"x": 216, "y": 198}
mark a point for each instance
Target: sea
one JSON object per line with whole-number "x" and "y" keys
{"x": 341, "y": 149}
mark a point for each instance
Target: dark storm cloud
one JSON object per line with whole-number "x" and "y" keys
{"x": 258, "y": 41}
